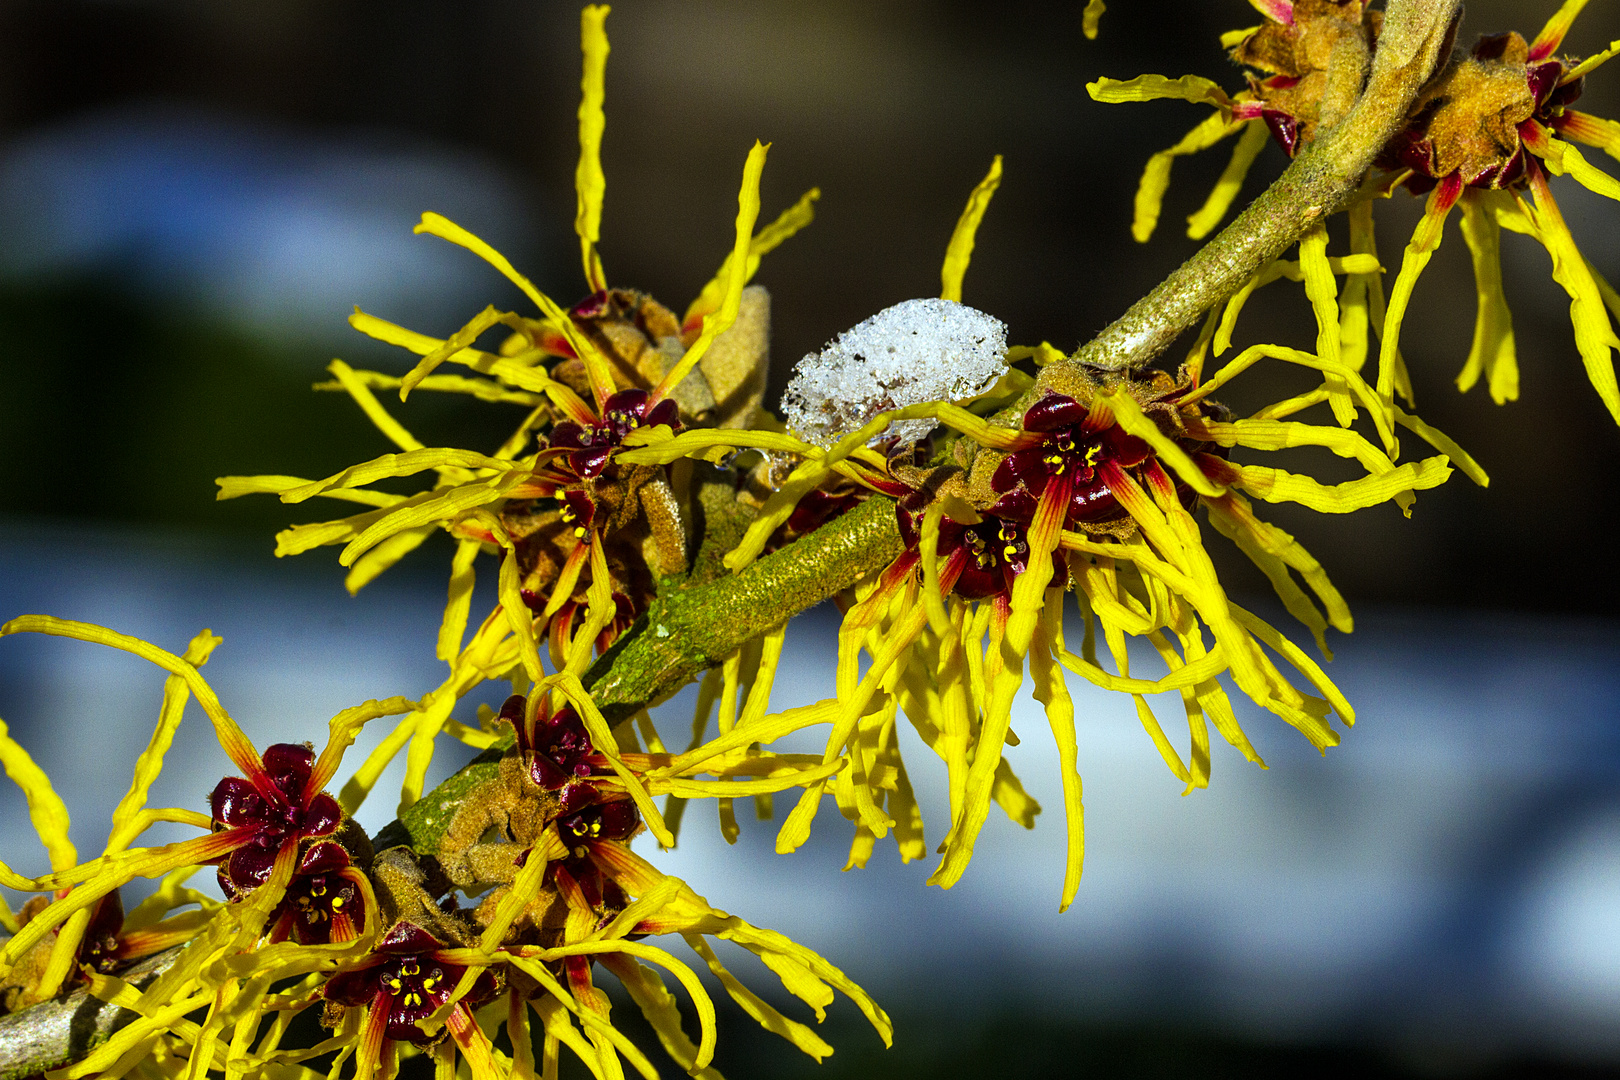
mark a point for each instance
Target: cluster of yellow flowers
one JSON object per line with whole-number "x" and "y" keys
{"x": 646, "y": 468}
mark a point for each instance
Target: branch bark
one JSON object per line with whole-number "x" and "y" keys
{"x": 57, "y": 1033}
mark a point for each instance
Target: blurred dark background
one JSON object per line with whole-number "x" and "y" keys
{"x": 194, "y": 193}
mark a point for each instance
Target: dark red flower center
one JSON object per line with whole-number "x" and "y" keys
{"x": 1077, "y": 443}
{"x": 558, "y": 752}
{"x": 320, "y": 897}
{"x": 99, "y": 949}
{"x": 582, "y": 831}
{"x": 603, "y": 821}
{"x": 985, "y": 559}
{"x": 590, "y": 447}
{"x": 406, "y": 975}
{"x": 276, "y": 809}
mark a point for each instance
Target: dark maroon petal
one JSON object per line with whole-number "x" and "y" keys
{"x": 976, "y": 583}
{"x": 665, "y": 412}
{"x": 1504, "y": 175}
{"x": 107, "y": 918}
{"x": 1491, "y": 46}
{"x": 590, "y": 462}
{"x": 235, "y": 802}
{"x": 249, "y": 867}
{"x": 950, "y": 537}
{"x": 356, "y": 986}
{"x": 592, "y": 307}
{"x": 1563, "y": 97}
{"x": 1092, "y": 503}
{"x": 1409, "y": 150}
{"x": 1543, "y": 79}
{"x": 1419, "y": 183}
{"x": 619, "y": 820}
{"x": 1284, "y": 128}
{"x": 583, "y": 873}
{"x": 627, "y": 401}
{"x": 289, "y": 765}
{"x": 483, "y": 989}
{"x": 1124, "y": 450}
{"x": 512, "y": 713}
{"x": 545, "y": 773}
{"x": 909, "y": 536}
{"x": 404, "y": 937}
{"x": 402, "y": 1023}
{"x": 578, "y": 509}
{"x": 1017, "y": 504}
{"x": 1054, "y": 412}
{"x": 323, "y": 857}
{"x": 566, "y": 435}
{"x": 323, "y": 816}
{"x": 574, "y": 796}
{"x": 1026, "y": 467}
{"x": 226, "y": 885}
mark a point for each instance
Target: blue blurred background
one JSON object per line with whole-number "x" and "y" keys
{"x": 194, "y": 195}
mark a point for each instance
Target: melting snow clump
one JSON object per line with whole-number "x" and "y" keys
{"x": 916, "y": 351}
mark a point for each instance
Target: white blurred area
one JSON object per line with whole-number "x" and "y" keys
{"x": 1450, "y": 874}
{"x": 278, "y": 230}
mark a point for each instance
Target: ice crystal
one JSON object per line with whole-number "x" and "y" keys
{"x": 915, "y": 351}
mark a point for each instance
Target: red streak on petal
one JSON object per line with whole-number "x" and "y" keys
{"x": 204, "y": 849}
{"x": 1551, "y": 36}
{"x": 473, "y": 1042}
{"x": 1278, "y": 10}
{"x": 246, "y": 758}
{"x": 372, "y": 1042}
{"x": 1449, "y": 190}
{"x": 952, "y": 570}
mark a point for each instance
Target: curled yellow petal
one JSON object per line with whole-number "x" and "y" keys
{"x": 357, "y": 389}
{"x": 1493, "y": 353}
{"x": 1594, "y": 334}
{"x": 1202, "y": 222}
{"x": 1194, "y": 88}
{"x": 1275, "y": 485}
{"x": 1591, "y": 130}
{"x": 960, "y": 249}
{"x": 763, "y": 243}
{"x": 1561, "y": 158}
{"x": 590, "y": 183}
{"x": 720, "y": 321}
{"x": 596, "y": 365}
{"x": 1156, "y": 174}
{"x": 1129, "y": 415}
{"x": 45, "y": 807}
{"x": 1425, "y": 239}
